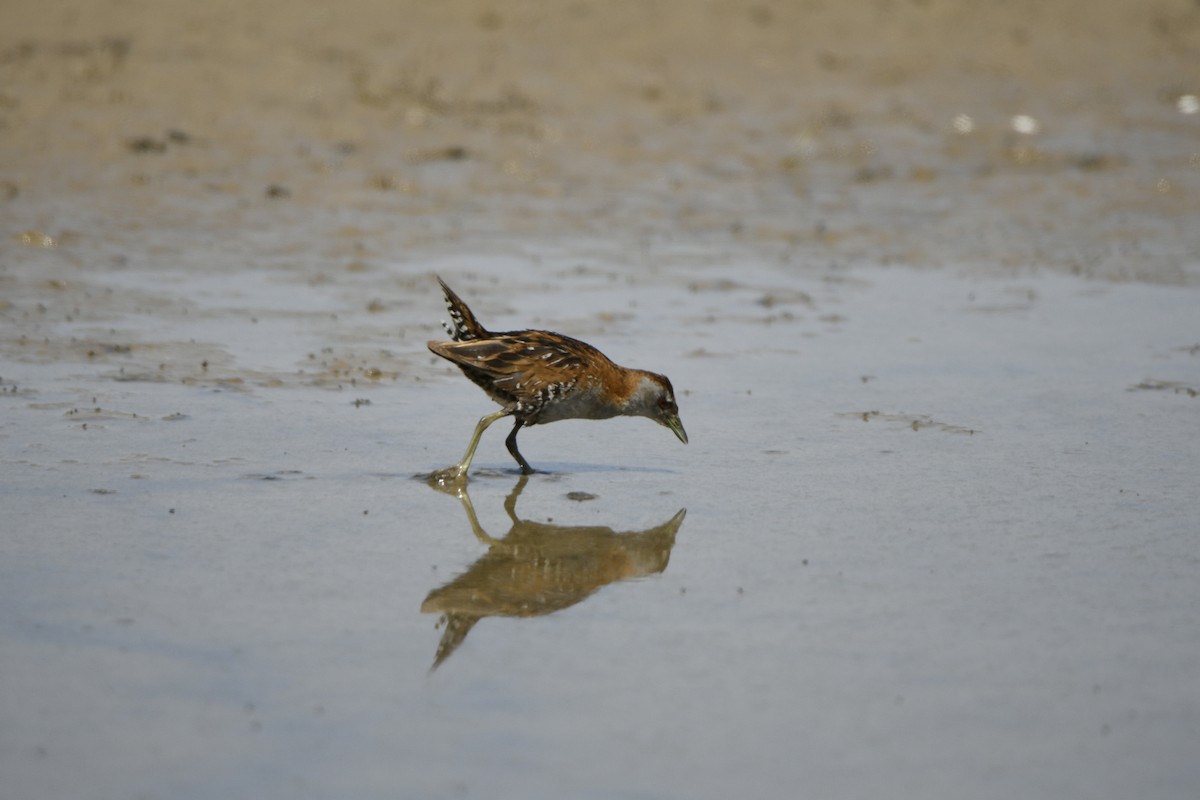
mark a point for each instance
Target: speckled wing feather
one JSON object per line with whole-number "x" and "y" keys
{"x": 463, "y": 326}
{"x": 525, "y": 369}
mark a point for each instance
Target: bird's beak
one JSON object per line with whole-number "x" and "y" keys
{"x": 672, "y": 422}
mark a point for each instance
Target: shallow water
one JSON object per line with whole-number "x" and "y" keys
{"x": 924, "y": 277}
{"x": 935, "y": 527}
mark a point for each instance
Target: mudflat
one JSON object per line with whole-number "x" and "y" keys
{"x": 923, "y": 274}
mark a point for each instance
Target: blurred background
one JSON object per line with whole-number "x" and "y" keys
{"x": 995, "y": 136}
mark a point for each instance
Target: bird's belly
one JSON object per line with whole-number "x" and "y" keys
{"x": 586, "y": 404}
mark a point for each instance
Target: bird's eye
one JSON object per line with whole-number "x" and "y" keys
{"x": 664, "y": 402}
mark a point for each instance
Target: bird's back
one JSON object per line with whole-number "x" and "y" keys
{"x": 527, "y": 370}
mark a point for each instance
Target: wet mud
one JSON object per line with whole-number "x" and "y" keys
{"x": 924, "y": 276}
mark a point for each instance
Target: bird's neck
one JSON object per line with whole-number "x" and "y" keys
{"x": 638, "y": 391}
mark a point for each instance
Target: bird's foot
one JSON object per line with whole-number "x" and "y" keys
{"x": 450, "y": 477}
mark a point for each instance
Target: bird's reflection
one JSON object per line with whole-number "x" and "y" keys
{"x": 538, "y": 568}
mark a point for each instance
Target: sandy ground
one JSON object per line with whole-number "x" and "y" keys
{"x": 820, "y": 131}
{"x": 924, "y": 274}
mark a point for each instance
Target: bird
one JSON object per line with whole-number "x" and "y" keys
{"x": 538, "y": 377}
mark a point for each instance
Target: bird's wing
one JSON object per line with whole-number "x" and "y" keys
{"x": 522, "y": 364}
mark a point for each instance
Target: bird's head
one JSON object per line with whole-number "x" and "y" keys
{"x": 653, "y": 397}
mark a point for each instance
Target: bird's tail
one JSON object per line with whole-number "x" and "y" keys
{"x": 462, "y": 327}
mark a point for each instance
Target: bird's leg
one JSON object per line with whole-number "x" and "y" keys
{"x": 511, "y": 443}
{"x": 510, "y": 502}
{"x": 459, "y": 470}
{"x": 476, "y": 528}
